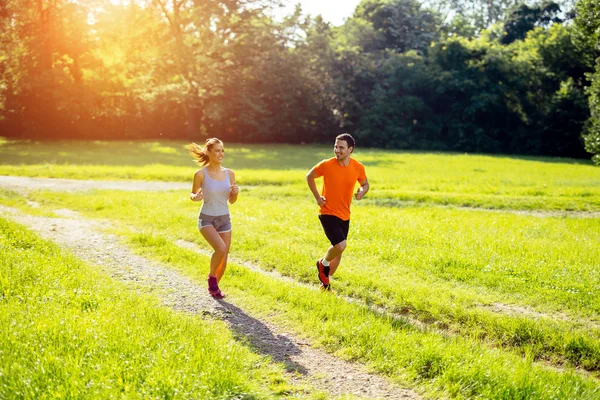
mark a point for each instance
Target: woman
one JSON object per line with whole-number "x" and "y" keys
{"x": 215, "y": 185}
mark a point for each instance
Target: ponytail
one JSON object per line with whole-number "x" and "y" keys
{"x": 201, "y": 154}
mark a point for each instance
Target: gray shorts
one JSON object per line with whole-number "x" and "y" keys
{"x": 222, "y": 223}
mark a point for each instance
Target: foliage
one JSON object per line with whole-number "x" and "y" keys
{"x": 525, "y": 18}
{"x": 482, "y": 76}
{"x": 470, "y": 95}
{"x": 588, "y": 28}
{"x": 478, "y": 15}
{"x": 399, "y": 25}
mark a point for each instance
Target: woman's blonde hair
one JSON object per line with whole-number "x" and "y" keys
{"x": 200, "y": 153}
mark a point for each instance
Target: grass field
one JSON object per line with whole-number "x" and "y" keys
{"x": 416, "y": 178}
{"x": 70, "y": 332}
{"x": 466, "y": 276}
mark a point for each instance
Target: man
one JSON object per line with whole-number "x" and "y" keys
{"x": 340, "y": 174}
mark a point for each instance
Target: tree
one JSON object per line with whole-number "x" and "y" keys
{"x": 401, "y": 25}
{"x": 470, "y": 17}
{"x": 196, "y": 37}
{"x": 377, "y": 52}
{"x": 587, "y": 25}
{"x": 478, "y": 96}
{"x": 524, "y": 18}
{"x": 481, "y": 14}
{"x": 556, "y": 103}
{"x": 397, "y": 114}
{"x": 42, "y": 65}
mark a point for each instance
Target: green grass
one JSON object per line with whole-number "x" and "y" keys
{"x": 70, "y": 332}
{"x": 495, "y": 182}
{"x": 438, "y": 271}
{"x": 439, "y": 363}
{"x": 442, "y": 266}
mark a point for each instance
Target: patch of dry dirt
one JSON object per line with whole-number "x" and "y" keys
{"x": 22, "y": 184}
{"x": 523, "y": 311}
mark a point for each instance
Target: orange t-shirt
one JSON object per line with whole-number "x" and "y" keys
{"x": 338, "y": 185}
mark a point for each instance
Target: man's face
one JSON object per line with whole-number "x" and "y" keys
{"x": 341, "y": 149}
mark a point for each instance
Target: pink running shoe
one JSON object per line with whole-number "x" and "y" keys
{"x": 213, "y": 288}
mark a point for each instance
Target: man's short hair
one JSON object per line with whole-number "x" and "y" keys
{"x": 347, "y": 138}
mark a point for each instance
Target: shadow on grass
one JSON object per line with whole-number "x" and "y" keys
{"x": 262, "y": 339}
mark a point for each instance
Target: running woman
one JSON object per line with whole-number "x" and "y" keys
{"x": 340, "y": 174}
{"x": 215, "y": 186}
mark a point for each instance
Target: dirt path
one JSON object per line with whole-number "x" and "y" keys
{"x": 24, "y": 184}
{"x": 304, "y": 364}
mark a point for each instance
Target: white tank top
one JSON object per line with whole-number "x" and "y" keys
{"x": 216, "y": 194}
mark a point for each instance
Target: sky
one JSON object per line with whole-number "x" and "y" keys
{"x": 333, "y": 11}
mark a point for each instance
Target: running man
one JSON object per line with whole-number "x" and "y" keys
{"x": 340, "y": 174}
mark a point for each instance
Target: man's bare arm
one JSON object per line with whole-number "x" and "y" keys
{"x": 362, "y": 190}
{"x": 310, "y": 179}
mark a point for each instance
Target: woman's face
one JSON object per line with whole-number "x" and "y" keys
{"x": 216, "y": 153}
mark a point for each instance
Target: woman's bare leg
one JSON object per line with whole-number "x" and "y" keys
{"x": 219, "y": 246}
{"x": 226, "y": 237}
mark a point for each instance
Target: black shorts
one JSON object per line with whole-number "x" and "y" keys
{"x": 336, "y": 229}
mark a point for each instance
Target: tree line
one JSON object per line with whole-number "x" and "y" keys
{"x": 490, "y": 76}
